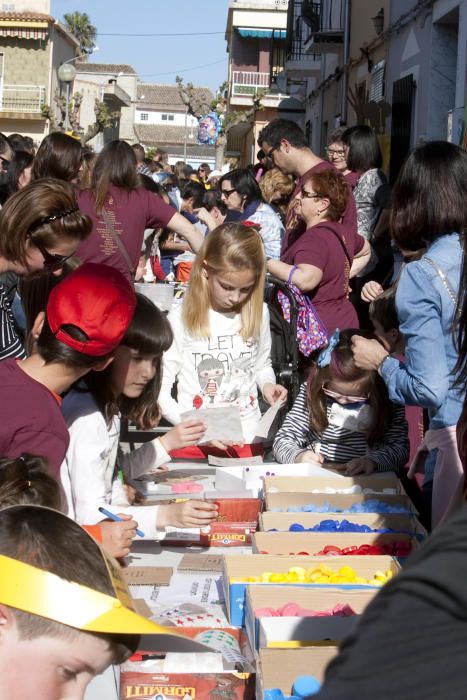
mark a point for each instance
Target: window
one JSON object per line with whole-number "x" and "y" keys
{"x": 377, "y": 82}
{"x": 167, "y": 117}
{"x": 144, "y": 116}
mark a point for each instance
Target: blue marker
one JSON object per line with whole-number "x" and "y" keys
{"x": 117, "y": 519}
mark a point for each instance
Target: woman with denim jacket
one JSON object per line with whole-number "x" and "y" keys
{"x": 428, "y": 209}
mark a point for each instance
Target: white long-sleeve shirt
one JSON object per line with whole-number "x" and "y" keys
{"x": 89, "y": 474}
{"x": 223, "y": 370}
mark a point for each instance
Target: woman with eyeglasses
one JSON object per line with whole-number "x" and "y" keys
{"x": 40, "y": 228}
{"x": 336, "y": 154}
{"x": 242, "y": 195}
{"x": 321, "y": 260}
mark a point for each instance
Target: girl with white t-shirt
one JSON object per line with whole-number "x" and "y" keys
{"x": 127, "y": 388}
{"x": 221, "y": 350}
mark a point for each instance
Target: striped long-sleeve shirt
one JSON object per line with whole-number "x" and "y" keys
{"x": 344, "y": 438}
{"x": 10, "y": 344}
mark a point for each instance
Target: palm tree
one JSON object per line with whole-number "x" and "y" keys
{"x": 79, "y": 24}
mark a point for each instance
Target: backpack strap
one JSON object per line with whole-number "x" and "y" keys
{"x": 344, "y": 247}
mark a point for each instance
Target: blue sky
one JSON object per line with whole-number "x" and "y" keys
{"x": 159, "y": 59}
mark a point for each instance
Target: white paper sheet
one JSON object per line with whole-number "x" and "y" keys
{"x": 222, "y": 423}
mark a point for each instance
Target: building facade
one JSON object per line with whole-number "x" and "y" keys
{"x": 162, "y": 120}
{"x": 32, "y": 47}
{"x": 256, "y": 38}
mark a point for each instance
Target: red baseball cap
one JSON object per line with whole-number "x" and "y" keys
{"x": 96, "y": 299}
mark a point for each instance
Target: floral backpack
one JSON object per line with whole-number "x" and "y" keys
{"x": 311, "y": 332}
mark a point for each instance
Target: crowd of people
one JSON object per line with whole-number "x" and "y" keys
{"x": 379, "y": 272}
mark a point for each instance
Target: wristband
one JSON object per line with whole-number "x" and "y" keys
{"x": 380, "y": 366}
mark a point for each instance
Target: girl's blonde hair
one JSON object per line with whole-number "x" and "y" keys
{"x": 229, "y": 246}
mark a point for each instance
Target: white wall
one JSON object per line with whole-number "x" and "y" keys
{"x": 154, "y": 117}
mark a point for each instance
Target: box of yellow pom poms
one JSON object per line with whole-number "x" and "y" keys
{"x": 263, "y": 569}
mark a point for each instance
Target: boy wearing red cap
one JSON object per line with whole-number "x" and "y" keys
{"x": 86, "y": 317}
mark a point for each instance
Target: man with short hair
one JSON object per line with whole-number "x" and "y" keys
{"x": 285, "y": 143}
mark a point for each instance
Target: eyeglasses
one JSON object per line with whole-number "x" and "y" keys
{"x": 227, "y": 193}
{"x": 334, "y": 153}
{"x": 309, "y": 195}
{"x": 4, "y": 163}
{"x": 343, "y": 397}
{"x": 52, "y": 262}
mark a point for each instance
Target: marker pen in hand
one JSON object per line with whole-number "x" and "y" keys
{"x": 117, "y": 519}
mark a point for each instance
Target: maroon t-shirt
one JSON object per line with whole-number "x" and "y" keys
{"x": 131, "y": 213}
{"x": 294, "y": 224}
{"x": 320, "y": 247}
{"x": 30, "y": 418}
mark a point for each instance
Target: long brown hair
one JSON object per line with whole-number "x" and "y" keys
{"x": 115, "y": 165}
{"x": 228, "y": 246}
{"x": 149, "y": 333}
{"x": 342, "y": 366}
{"x": 25, "y": 480}
{"x": 59, "y": 156}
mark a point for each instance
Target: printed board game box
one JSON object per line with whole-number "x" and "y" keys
{"x": 312, "y": 543}
{"x": 278, "y": 668}
{"x": 237, "y": 520}
{"x": 187, "y": 686}
{"x": 386, "y": 482}
{"x": 239, "y": 567}
{"x": 264, "y": 631}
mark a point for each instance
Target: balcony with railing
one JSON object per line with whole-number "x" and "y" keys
{"x": 22, "y": 100}
{"x": 298, "y": 63}
{"x": 325, "y": 21}
{"x": 246, "y": 84}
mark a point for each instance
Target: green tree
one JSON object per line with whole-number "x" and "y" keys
{"x": 79, "y": 24}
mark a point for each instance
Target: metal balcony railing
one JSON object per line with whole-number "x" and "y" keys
{"x": 323, "y": 17}
{"x": 22, "y": 98}
{"x": 249, "y": 82}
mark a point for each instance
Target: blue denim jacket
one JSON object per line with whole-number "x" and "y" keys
{"x": 425, "y": 311}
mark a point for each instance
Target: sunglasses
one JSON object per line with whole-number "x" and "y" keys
{"x": 343, "y": 397}
{"x": 271, "y": 151}
{"x": 52, "y": 261}
{"x": 309, "y": 195}
{"x": 227, "y": 193}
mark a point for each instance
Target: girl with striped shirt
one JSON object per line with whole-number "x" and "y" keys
{"x": 343, "y": 416}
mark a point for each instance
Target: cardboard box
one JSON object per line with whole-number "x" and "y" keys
{"x": 284, "y": 499}
{"x": 237, "y": 566}
{"x": 290, "y": 543}
{"x": 329, "y": 480}
{"x": 154, "y": 676}
{"x": 237, "y": 520}
{"x": 252, "y": 477}
{"x": 282, "y": 521}
{"x": 266, "y": 631}
{"x": 278, "y": 668}
{"x": 186, "y": 686}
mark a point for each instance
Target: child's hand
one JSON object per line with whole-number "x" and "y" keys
{"x": 358, "y": 465}
{"x": 274, "y": 392}
{"x": 117, "y": 537}
{"x": 191, "y": 513}
{"x": 310, "y": 456}
{"x": 184, "y": 434}
{"x": 371, "y": 291}
{"x": 223, "y": 445}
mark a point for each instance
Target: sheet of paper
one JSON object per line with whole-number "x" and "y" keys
{"x": 184, "y": 588}
{"x": 222, "y": 423}
{"x": 267, "y": 419}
